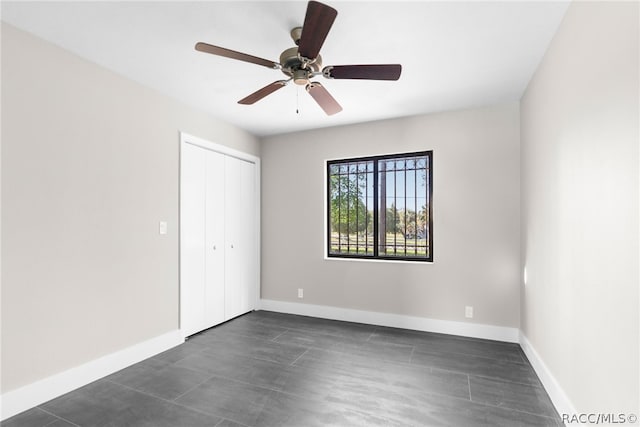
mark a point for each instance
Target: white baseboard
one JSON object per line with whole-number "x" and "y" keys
{"x": 474, "y": 330}
{"x": 556, "y": 393}
{"x": 19, "y": 400}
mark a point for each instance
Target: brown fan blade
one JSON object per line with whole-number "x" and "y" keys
{"x": 228, "y": 53}
{"x": 261, "y": 93}
{"x": 317, "y": 23}
{"x": 365, "y": 72}
{"x": 323, "y": 98}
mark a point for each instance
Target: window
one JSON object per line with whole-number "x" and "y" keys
{"x": 380, "y": 207}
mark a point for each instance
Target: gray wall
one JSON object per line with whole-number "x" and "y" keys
{"x": 89, "y": 168}
{"x": 579, "y": 119}
{"x": 476, "y": 218}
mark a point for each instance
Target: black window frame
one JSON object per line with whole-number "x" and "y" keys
{"x": 429, "y": 198}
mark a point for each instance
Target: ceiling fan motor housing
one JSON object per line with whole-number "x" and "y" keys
{"x": 294, "y": 67}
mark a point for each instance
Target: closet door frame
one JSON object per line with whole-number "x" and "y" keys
{"x": 186, "y": 138}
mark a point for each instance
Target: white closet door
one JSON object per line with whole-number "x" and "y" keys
{"x": 215, "y": 239}
{"x": 192, "y": 238}
{"x": 218, "y": 240}
{"x": 247, "y": 237}
{"x": 240, "y": 263}
{"x": 233, "y": 225}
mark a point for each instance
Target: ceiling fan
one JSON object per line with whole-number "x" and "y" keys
{"x": 303, "y": 62}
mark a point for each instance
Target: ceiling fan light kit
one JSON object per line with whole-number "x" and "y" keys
{"x": 303, "y": 62}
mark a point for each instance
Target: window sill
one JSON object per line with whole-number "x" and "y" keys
{"x": 391, "y": 261}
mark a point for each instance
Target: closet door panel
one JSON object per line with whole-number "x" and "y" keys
{"x": 247, "y": 238}
{"x": 192, "y": 238}
{"x": 233, "y": 258}
{"x": 240, "y": 262}
{"x": 215, "y": 239}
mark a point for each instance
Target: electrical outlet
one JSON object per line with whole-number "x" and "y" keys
{"x": 468, "y": 312}
{"x": 300, "y": 293}
{"x": 162, "y": 227}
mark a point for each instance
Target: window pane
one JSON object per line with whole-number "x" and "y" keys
{"x": 350, "y": 205}
{"x": 402, "y": 194}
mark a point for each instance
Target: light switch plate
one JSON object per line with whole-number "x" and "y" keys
{"x": 162, "y": 229}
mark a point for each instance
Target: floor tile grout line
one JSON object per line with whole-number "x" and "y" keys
{"x": 157, "y": 358}
{"x": 246, "y": 335}
{"x": 475, "y": 375}
{"x": 176, "y": 365}
{"x": 192, "y": 388}
{"x": 319, "y": 330}
{"x": 298, "y": 358}
{"x": 416, "y": 334}
{"x": 138, "y": 390}
{"x": 537, "y": 384}
{"x": 278, "y": 336}
{"x": 168, "y": 366}
{"x": 252, "y": 337}
{"x": 435, "y": 336}
{"x": 166, "y": 400}
{"x": 253, "y": 357}
{"x": 57, "y": 416}
{"x": 220, "y": 336}
{"x": 221, "y": 333}
{"x": 370, "y": 336}
{"x": 226, "y": 378}
{"x": 421, "y": 349}
{"x": 427, "y": 394}
{"x": 264, "y": 387}
{"x": 361, "y": 356}
{"x": 504, "y": 408}
{"x": 426, "y": 369}
{"x": 228, "y": 419}
{"x": 511, "y": 362}
{"x": 388, "y": 361}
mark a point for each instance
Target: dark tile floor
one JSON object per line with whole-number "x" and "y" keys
{"x": 272, "y": 369}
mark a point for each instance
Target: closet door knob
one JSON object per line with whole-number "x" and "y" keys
{"x": 214, "y": 247}
{"x": 231, "y": 246}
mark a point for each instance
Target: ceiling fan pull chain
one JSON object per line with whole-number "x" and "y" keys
{"x": 297, "y": 100}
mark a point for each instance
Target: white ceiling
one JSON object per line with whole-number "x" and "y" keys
{"x": 455, "y": 55}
